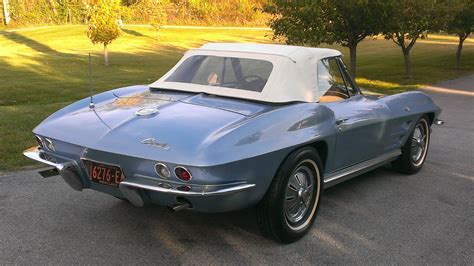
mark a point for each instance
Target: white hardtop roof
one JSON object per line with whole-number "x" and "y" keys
{"x": 293, "y": 78}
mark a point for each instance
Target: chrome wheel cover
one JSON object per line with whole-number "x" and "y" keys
{"x": 300, "y": 197}
{"x": 419, "y": 143}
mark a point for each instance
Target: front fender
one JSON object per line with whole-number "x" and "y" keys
{"x": 413, "y": 103}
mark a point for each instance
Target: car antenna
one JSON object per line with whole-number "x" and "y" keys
{"x": 91, "y": 85}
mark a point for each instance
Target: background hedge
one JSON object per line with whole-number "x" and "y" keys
{"x": 176, "y": 12}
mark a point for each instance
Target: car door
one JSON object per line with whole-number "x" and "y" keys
{"x": 359, "y": 121}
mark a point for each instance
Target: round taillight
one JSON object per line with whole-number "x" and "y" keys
{"x": 183, "y": 173}
{"x": 162, "y": 170}
{"x": 49, "y": 144}
{"x": 39, "y": 140}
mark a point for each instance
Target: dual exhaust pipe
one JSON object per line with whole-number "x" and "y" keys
{"x": 180, "y": 205}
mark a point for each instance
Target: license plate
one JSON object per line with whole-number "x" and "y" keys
{"x": 105, "y": 174}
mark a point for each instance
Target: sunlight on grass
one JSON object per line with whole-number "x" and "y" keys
{"x": 446, "y": 42}
{"x": 384, "y": 86}
{"x": 449, "y": 38}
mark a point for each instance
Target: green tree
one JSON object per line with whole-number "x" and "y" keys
{"x": 462, "y": 24}
{"x": 325, "y": 21}
{"x": 405, "y": 21}
{"x": 150, "y": 11}
{"x": 103, "y": 26}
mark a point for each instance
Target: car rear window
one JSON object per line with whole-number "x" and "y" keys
{"x": 229, "y": 72}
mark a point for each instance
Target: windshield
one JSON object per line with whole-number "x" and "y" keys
{"x": 229, "y": 72}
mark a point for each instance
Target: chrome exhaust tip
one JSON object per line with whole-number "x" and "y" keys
{"x": 179, "y": 206}
{"x": 438, "y": 122}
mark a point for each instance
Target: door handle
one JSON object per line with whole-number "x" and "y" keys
{"x": 341, "y": 121}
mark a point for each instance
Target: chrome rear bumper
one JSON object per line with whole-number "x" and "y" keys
{"x": 67, "y": 170}
{"x": 130, "y": 188}
{"x": 34, "y": 153}
{"x": 228, "y": 190}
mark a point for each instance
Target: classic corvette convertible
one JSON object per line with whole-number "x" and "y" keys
{"x": 233, "y": 126}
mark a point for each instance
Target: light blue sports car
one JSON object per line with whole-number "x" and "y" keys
{"x": 233, "y": 126}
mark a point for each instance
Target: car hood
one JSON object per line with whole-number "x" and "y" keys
{"x": 183, "y": 125}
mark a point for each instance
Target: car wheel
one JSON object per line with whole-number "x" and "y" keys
{"x": 415, "y": 150}
{"x": 289, "y": 208}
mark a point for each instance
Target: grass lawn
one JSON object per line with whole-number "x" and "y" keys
{"x": 44, "y": 69}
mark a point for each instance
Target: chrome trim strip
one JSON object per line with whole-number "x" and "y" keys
{"x": 34, "y": 153}
{"x": 360, "y": 168}
{"x": 149, "y": 180}
{"x": 229, "y": 190}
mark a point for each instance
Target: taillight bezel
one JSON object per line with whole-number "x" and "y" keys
{"x": 40, "y": 141}
{"x": 186, "y": 170}
{"x": 49, "y": 145}
{"x": 159, "y": 164}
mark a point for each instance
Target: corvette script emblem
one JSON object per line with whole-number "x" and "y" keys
{"x": 154, "y": 143}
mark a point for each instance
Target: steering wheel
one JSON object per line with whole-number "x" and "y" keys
{"x": 253, "y": 79}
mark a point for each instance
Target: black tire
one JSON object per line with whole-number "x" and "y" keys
{"x": 273, "y": 212}
{"x": 407, "y": 162}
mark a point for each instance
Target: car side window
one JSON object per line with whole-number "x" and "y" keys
{"x": 332, "y": 87}
{"x": 351, "y": 87}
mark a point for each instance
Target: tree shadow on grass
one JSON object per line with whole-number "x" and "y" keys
{"x": 133, "y": 32}
{"x": 35, "y": 45}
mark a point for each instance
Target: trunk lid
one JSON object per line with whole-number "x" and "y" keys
{"x": 184, "y": 124}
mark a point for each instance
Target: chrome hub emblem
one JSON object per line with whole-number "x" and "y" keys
{"x": 156, "y": 144}
{"x": 300, "y": 192}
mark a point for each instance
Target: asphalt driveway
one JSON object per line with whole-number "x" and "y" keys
{"x": 379, "y": 217}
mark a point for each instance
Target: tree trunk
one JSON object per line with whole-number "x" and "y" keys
{"x": 353, "y": 58}
{"x": 406, "y": 57}
{"x": 462, "y": 37}
{"x": 106, "y": 56}
{"x": 6, "y": 14}
{"x": 53, "y": 7}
